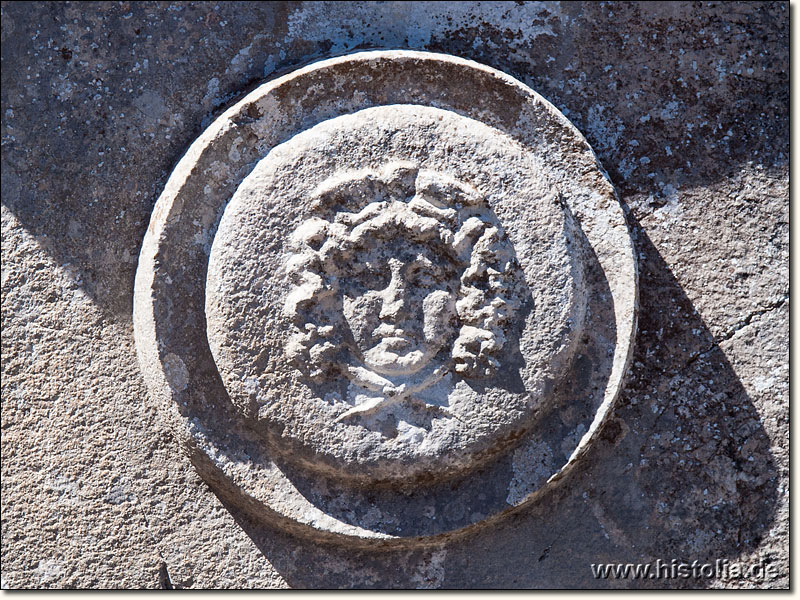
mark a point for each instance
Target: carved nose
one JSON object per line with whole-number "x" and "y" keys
{"x": 394, "y": 300}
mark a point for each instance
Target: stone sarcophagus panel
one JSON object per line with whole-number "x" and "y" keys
{"x": 395, "y": 295}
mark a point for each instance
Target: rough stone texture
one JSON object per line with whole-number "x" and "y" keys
{"x": 318, "y": 175}
{"x": 686, "y": 105}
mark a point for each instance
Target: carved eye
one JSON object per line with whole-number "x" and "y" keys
{"x": 367, "y": 277}
{"x": 426, "y": 274}
{"x": 423, "y": 278}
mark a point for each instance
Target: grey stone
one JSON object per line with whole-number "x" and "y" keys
{"x": 685, "y": 105}
{"x": 395, "y": 297}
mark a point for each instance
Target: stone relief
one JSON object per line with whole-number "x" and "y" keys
{"x": 692, "y": 458}
{"x": 391, "y": 332}
{"x": 398, "y": 290}
{"x": 390, "y": 309}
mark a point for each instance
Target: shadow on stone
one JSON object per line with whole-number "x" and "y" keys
{"x": 496, "y": 481}
{"x": 672, "y": 477}
{"x": 682, "y": 471}
{"x": 94, "y": 217}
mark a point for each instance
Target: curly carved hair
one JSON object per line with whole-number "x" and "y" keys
{"x": 373, "y": 204}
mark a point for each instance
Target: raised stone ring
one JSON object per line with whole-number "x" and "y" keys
{"x": 385, "y": 297}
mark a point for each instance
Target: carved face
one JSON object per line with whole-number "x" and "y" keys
{"x": 398, "y": 298}
{"x": 414, "y": 267}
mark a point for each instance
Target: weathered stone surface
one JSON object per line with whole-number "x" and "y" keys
{"x": 396, "y": 298}
{"x": 414, "y": 292}
{"x": 686, "y": 106}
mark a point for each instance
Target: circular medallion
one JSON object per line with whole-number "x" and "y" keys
{"x": 389, "y": 295}
{"x": 378, "y": 306}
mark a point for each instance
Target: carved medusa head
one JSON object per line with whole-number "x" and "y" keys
{"x": 407, "y": 278}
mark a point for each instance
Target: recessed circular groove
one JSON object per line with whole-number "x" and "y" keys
{"x": 378, "y": 306}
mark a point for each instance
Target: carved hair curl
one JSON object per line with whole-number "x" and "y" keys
{"x": 364, "y": 204}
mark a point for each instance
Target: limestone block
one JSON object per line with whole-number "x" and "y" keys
{"x": 394, "y": 295}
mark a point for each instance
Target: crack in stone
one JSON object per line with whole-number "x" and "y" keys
{"x": 164, "y": 579}
{"x": 163, "y": 576}
{"x": 738, "y": 327}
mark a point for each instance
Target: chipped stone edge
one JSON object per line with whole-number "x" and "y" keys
{"x": 625, "y": 289}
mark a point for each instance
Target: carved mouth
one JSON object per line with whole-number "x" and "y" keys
{"x": 396, "y": 342}
{"x": 391, "y": 336}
